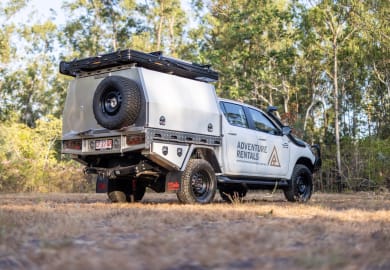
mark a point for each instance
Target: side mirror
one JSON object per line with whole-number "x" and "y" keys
{"x": 272, "y": 109}
{"x": 286, "y": 130}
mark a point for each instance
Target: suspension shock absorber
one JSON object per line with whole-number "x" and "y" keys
{"x": 133, "y": 188}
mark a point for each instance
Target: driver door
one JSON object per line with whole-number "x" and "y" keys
{"x": 275, "y": 162}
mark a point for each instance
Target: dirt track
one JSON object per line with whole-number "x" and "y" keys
{"x": 84, "y": 231}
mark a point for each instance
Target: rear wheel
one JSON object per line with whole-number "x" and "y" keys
{"x": 118, "y": 190}
{"x": 121, "y": 190}
{"x": 198, "y": 183}
{"x": 301, "y": 186}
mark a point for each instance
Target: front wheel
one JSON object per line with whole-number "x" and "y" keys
{"x": 198, "y": 183}
{"x": 301, "y": 185}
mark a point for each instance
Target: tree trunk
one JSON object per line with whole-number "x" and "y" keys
{"x": 172, "y": 34}
{"x": 286, "y": 96}
{"x": 114, "y": 36}
{"x": 307, "y": 113}
{"x": 160, "y": 27}
{"x": 336, "y": 112}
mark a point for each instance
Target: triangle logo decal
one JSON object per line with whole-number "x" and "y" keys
{"x": 274, "y": 159}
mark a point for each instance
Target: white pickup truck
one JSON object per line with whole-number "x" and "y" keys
{"x": 144, "y": 120}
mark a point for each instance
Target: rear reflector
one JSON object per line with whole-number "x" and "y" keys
{"x": 72, "y": 145}
{"x": 135, "y": 139}
{"x": 173, "y": 186}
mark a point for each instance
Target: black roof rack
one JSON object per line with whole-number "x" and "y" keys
{"x": 155, "y": 61}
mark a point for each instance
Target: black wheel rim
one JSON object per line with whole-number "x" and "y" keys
{"x": 111, "y": 102}
{"x": 200, "y": 185}
{"x": 303, "y": 186}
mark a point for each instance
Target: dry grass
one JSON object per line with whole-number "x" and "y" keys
{"x": 73, "y": 231}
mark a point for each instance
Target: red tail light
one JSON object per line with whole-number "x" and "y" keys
{"x": 72, "y": 145}
{"x": 135, "y": 139}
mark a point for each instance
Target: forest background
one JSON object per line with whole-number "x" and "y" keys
{"x": 325, "y": 64}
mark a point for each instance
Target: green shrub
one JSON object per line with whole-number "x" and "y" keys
{"x": 30, "y": 159}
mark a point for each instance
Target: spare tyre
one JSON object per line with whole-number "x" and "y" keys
{"x": 116, "y": 102}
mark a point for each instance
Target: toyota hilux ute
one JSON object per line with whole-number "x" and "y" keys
{"x": 142, "y": 120}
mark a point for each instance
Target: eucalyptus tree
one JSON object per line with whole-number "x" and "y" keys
{"x": 27, "y": 86}
{"x": 7, "y": 50}
{"x": 376, "y": 22}
{"x": 167, "y": 20}
{"x": 330, "y": 21}
{"x": 252, "y": 45}
{"x": 97, "y": 26}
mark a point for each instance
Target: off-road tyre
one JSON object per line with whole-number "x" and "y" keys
{"x": 116, "y": 102}
{"x": 232, "y": 192}
{"x": 301, "y": 185}
{"x": 198, "y": 183}
{"x": 121, "y": 191}
{"x": 118, "y": 190}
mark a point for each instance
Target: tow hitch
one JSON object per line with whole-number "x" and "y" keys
{"x": 115, "y": 172}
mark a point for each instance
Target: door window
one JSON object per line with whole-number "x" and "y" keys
{"x": 234, "y": 114}
{"x": 262, "y": 123}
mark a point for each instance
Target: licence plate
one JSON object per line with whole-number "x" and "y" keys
{"x": 103, "y": 144}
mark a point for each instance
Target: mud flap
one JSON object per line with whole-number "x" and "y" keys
{"x": 172, "y": 181}
{"x": 101, "y": 184}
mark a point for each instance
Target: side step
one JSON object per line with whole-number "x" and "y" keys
{"x": 253, "y": 181}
